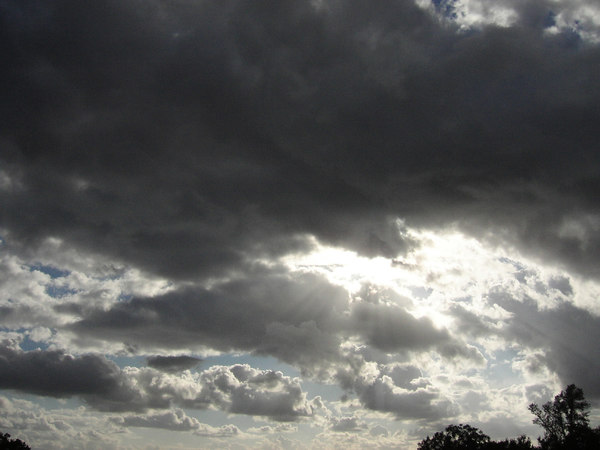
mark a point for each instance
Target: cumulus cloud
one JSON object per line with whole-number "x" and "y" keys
{"x": 268, "y": 429}
{"x": 49, "y": 427}
{"x": 347, "y": 424}
{"x": 57, "y": 374}
{"x": 237, "y": 389}
{"x": 397, "y": 389}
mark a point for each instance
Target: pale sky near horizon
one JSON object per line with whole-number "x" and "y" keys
{"x": 295, "y": 224}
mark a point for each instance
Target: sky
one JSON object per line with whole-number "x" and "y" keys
{"x": 295, "y": 224}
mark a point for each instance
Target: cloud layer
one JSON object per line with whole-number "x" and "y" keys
{"x": 202, "y": 202}
{"x": 187, "y": 139}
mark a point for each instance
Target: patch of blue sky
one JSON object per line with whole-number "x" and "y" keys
{"x": 59, "y": 291}
{"x": 128, "y": 361}
{"x": 26, "y": 344}
{"x": 123, "y": 297}
{"x": 446, "y": 8}
{"x": 500, "y": 371}
{"x": 550, "y": 20}
{"x": 517, "y": 265}
{"x": 420, "y": 291}
{"x": 48, "y": 403}
{"x": 52, "y": 271}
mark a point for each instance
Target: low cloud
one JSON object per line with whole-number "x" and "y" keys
{"x": 172, "y": 364}
{"x": 347, "y": 424}
{"x": 394, "y": 329}
{"x": 238, "y": 389}
{"x": 56, "y": 374}
{"x": 299, "y": 318}
{"x": 176, "y": 420}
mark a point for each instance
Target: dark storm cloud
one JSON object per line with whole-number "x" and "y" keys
{"x": 172, "y": 363}
{"x": 56, "y": 374}
{"x": 186, "y": 138}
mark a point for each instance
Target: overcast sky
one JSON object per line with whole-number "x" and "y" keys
{"x": 295, "y": 224}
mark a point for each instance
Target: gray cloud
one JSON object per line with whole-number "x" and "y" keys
{"x": 213, "y": 134}
{"x": 176, "y": 420}
{"x": 568, "y": 335}
{"x": 347, "y": 424}
{"x": 561, "y": 284}
{"x": 57, "y": 374}
{"x": 471, "y": 323}
{"x": 190, "y": 140}
{"x": 381, "y": 394}
{"x": 172, "y": 363}
{"x": 238, "y": 389}
{"x": 301, "y": 319}
{"x": 295, "y": 318}
{"x": 394, "y": 329}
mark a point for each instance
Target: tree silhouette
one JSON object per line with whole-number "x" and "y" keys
{"x": 6, "y": 443}
{"x": 520, "y": 443}
{"x": 466, "y": 437}
{"x": 456, "y": 437}
{"x": 565, "y": 422}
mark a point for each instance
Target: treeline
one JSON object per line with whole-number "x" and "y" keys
{"x": 6, "y": 443}
{"x": 564, "y": 420}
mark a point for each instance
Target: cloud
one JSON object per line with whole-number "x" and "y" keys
{"x": 346, "y": 424}
{"x": 382, "y": 395}
{"x": 172, "y": 363}
{"x": 57, "y": 374}
{"x": 292, "y": 317}
{"x": 48, "y": 428}
{"x": 394, "y": 329}
{"x": 279, "y": 428}
{"x": 567, "y": 335}
{"x": 378, "y": 430}
{"x": 244, "y": 159}
{"x": 243, "y": 390}
{"x": 161, "y": 162}
{"x": 238, "y": 389}
{"x": 175, "y": 420}
{"x": 397, "y": 389}
{"x": 300, "y": 318}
